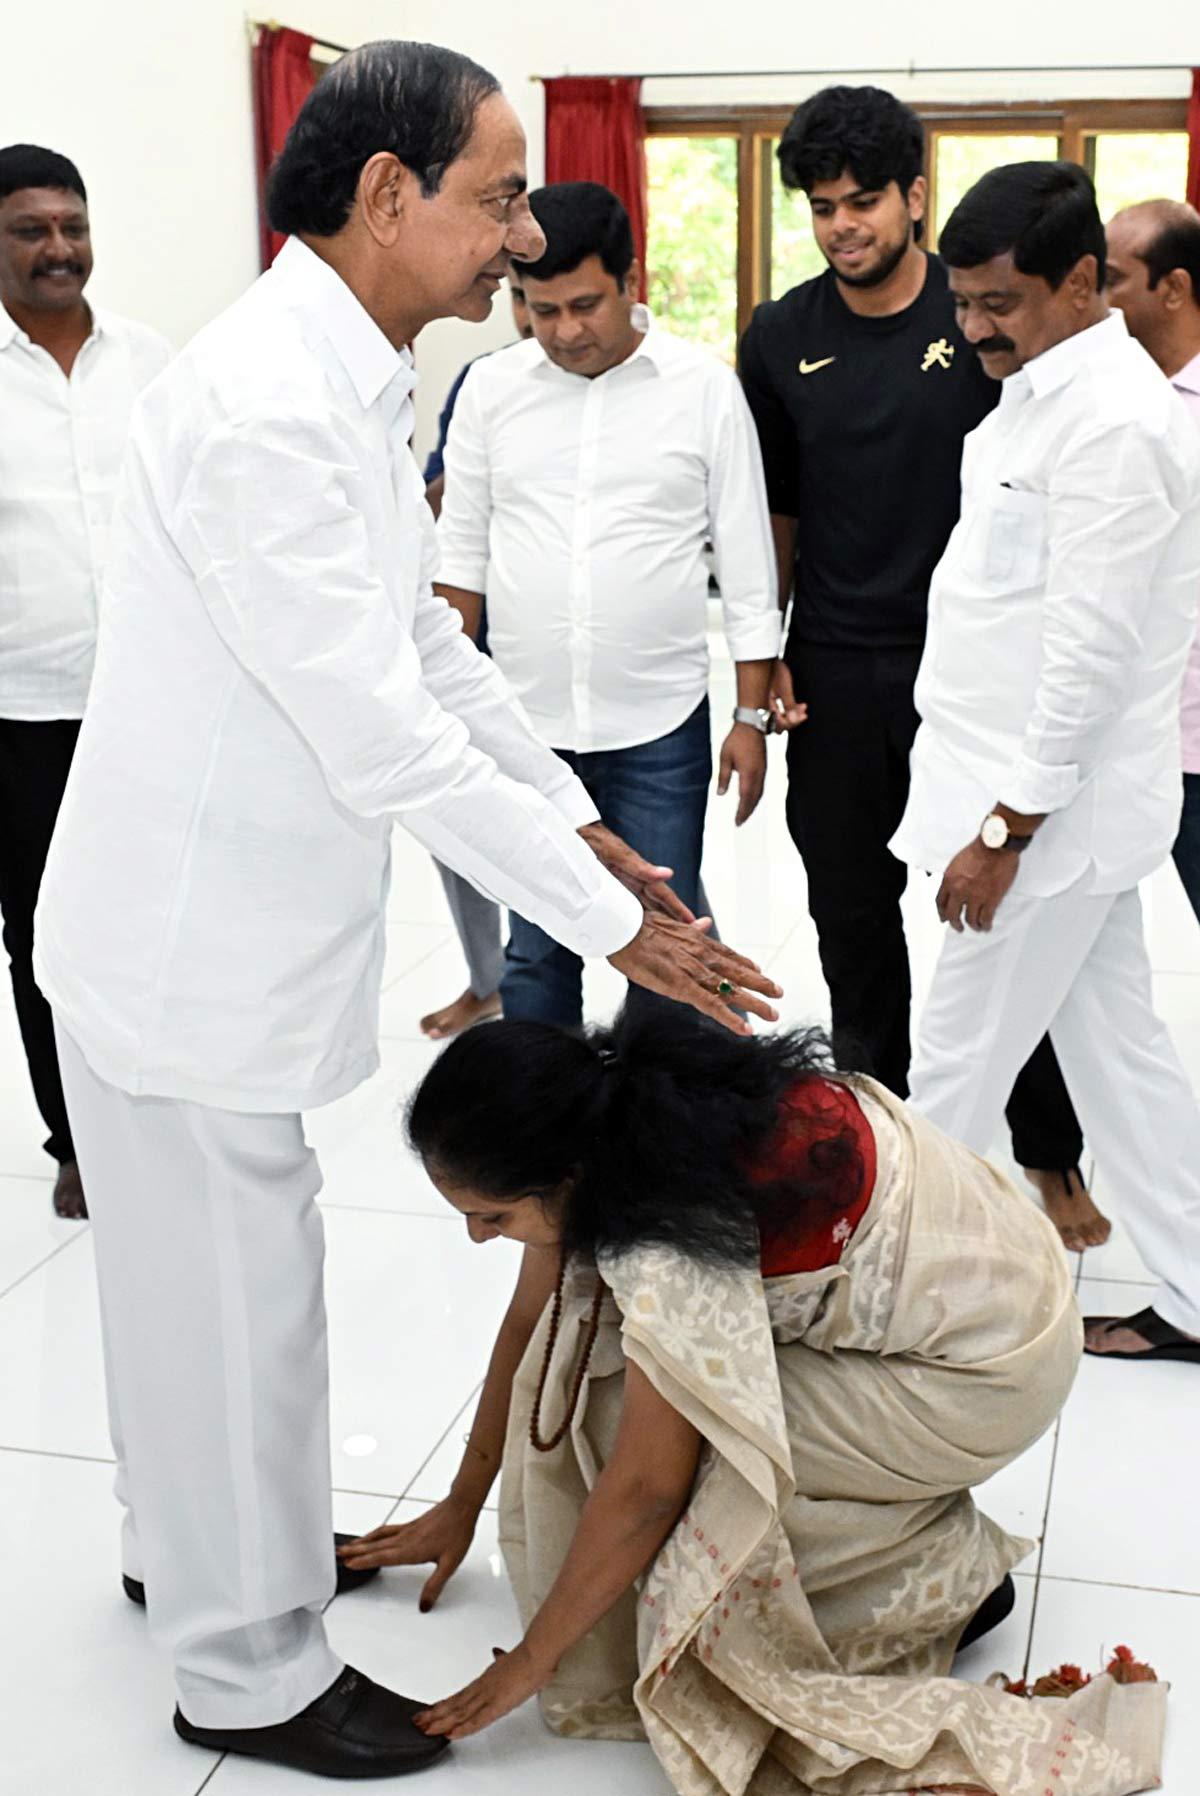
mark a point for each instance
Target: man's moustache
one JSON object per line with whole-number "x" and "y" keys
{"x": 994, "y": 346}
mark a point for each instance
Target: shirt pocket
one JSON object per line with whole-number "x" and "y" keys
{"x": 1015, "y": 548}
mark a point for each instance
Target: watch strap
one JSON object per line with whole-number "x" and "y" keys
{"x": 758, "y": 720}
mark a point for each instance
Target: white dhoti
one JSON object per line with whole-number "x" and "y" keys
{"x": 209, "y": 1255}
{"x": 1074, "y": 965}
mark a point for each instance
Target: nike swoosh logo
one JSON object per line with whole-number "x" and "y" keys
{"x": 811, "y": 367}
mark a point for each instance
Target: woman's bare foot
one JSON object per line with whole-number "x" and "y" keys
{"x": 1068, "y": 1203}
{"x": 464, "y": 1013}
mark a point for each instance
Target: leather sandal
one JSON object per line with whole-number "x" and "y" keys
{"x": 1166, "y": 1341}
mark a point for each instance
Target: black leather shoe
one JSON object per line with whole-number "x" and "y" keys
{"x": 357, "y": 1729}
{"x": 990, "y": 1613}
{"x": 135, "y": 1590}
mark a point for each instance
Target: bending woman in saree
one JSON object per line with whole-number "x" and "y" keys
{"x": 770, "y": 1329}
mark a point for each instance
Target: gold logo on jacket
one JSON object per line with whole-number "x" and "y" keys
{"x": 807, "y": 367}
{"x": 938, "y": 355}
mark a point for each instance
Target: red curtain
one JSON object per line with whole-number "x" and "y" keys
{"x": 595, "y": 131}
{"x": 1193, "y": 176}
{"x": 282, "y": 75}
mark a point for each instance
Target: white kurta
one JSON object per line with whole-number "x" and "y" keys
{"x": 60, "y": 454}
{"x": 276, "y": 684}
{"x": 1060, "y": 621}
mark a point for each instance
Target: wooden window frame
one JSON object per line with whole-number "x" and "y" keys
{"x": 1076, "y": 122}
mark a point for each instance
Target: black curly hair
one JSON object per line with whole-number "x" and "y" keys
{"x": 654, "y": 1124}
{"x": 861, "y": 130}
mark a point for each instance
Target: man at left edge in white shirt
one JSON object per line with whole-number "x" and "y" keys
{"x": 1046, "y": 770}
{"x": 69, "y": 374}
{"x": 276, "y": 684}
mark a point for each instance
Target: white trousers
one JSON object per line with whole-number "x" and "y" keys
{"x": 209, "y": 1255}
{"x": 1074, "y": 965}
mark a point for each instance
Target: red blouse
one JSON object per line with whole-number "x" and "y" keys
{"x": 817, "y": 1111}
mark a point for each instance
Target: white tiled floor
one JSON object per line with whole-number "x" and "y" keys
{"x": 412, "y": 1309}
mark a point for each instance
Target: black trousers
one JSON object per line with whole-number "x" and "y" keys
{"x": 35, "y": 759}
{"x": 848, "y": 777}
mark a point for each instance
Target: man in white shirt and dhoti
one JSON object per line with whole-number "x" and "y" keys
{"x": 69, "y": 374}
{"x": 1046, "y": 773}
{"x": 276, "y": 684}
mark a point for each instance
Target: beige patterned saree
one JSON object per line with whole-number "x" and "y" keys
{"x": 795, "y": 1633}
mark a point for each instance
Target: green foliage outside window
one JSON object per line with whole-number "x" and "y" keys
{"x": 691, "y": 257}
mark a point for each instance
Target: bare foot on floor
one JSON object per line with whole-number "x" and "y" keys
{"x": 1068, "y": 1203}
{"x": 464, "y": 1013}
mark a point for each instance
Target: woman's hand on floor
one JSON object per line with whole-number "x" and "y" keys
{"x": 443, "y": 1534}
{"x": 510, "y": 1681}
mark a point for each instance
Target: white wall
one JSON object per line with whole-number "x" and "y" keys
{"x": 153, "y": 102}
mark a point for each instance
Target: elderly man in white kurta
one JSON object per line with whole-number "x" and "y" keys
{"x": 276, "y": 683}
{"x": 1060, "y": 621}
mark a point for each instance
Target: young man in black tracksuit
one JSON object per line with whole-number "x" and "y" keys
{"x": 863, "y": 389}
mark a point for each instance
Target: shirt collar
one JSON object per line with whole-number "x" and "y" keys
{"x": 1055, "y": 367}
{"x": 1188, "y": 378}
{"x": 361, "y": 347}
{"x": 11, "y": 332}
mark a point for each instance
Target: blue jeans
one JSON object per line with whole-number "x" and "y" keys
{"x": 1187, "y": 843}
{"x": 653, "y": 795}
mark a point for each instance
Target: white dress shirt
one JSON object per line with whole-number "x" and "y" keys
{"x": 61, "y": 445}
{"x": 1187, "y": 384}
{"x": 1059, "y": 622}
{"x": 582, "y": 508}
{"x": 275, "y": 683}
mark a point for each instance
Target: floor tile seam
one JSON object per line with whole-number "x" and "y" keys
{"x": 58, "y": 1453}
{"x": 413, "y": 966}
{"x": 1141, "y": 1284}
{"x": 456, "y": 1418}
{"x": 54, "y": 1253}
{"x": 1041, "y": 1548}
{"x": 1121, "y": 1584}
{"x": 29, "y": 1178}
{"x": 199, "y": 1791}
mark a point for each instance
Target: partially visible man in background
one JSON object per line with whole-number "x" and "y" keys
{"x": 585, "y": 474}
{"x": 68, "y": 378}
{"x": 1154, "y": 278}
{"x": 478, "y": 919}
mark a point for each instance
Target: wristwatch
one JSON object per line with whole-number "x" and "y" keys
{"x": 756, "y": 718}
{"x": 995, "y": 833}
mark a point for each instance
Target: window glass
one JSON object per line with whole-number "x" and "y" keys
{"x": 794, "y": 253}
{"x": 960, "y": 159}
{"x": 1139, "y": 165}
{"x": 691, "y": 253}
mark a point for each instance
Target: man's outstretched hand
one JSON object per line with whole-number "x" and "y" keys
{"x": 647, "y": 882}
{"x": 681, "y": 961}
{"x": 672, "y": 953}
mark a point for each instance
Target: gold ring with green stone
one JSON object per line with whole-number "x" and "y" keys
{"x": 725, "y": 989}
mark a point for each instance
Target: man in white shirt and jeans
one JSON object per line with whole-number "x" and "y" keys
{"x": 1060, "y": 620}
{"x": 585, "y": 472}
{"x": 276, "y": 684}
{"x": 69, "y": 375}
